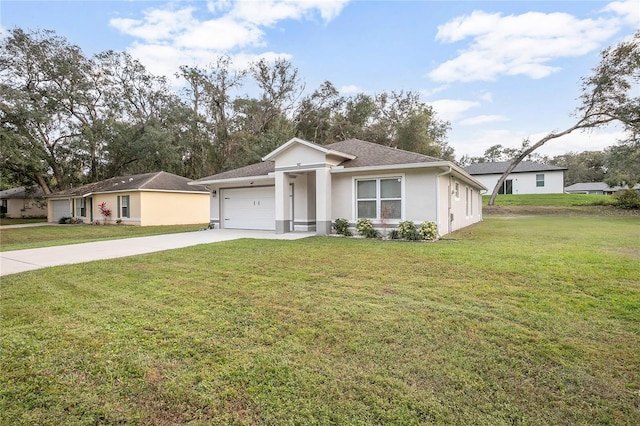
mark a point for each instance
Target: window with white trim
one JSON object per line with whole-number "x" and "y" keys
{"x": 379, "y": 198}
{"x": 123, "y": 206}
{"x": 540, "y": 180}
{"x": 467, "y": 201}
{"x": 81, "y": 207}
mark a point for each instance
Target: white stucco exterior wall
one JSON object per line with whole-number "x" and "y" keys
{"x": 525, "y": 183}
{"x": 466, "y": 204}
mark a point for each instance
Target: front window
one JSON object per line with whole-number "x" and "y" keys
{"x": 379, "y": 198}
{"x": 123, "y": 206}
{"x": 540, "y": 180}
{"x": 81, "y": 207}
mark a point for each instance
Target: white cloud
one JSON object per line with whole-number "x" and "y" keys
{"x": 205, "y": 35}
{"x": 628, "y": 10}
{"x": 482, "y": 119}
{"x": 350, "y": 89}
{"x": 156, "y": 59}
{"x": 486, "y": 96}
{"x": 431, "y": 92}
{"x": 157, "y": 24}
{"x": 269, "y": 12}
{"x": 517, "y": 44}
{"x": 219, "y": 6}
{"x": 450, "y": 109}
{"x": 169, "y": 37}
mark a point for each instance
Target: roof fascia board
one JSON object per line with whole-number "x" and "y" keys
{"x": 233, "y": 180}
{"x": 520, "y": 171}
{"x": 467, "y": 177}
{"x": 435, "y": 164}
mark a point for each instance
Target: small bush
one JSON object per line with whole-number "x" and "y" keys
{"x": 407, "y": 230}
{"x": 365, "y": 228}
{"x": 394, "y": 234}
{"x": 428, "y": 230}
{"x": 69, "y": 221}
{"x": 628, "y": 199}
{"x": 342, "y": 227}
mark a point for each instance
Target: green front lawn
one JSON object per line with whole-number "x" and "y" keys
{"x": 57, "y": 235}
{"x": 520, "y": 320}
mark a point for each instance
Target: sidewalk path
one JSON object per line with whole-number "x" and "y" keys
{"x": 12, "y": 262}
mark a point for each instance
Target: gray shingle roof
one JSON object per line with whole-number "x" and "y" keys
{"x": 159, "y": 181}
{"x": 373, "y": 154}
{"x": 500, "y": 167}
{"x": 257, "y": 169}
{"x": 367, "y": 154}
{"x": 595, "y": 186}
{"x": 22, "y": 192}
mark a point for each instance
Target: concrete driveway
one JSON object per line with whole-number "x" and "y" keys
{"x": 13, "y": 262}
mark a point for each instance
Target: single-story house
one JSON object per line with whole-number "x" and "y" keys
{"x": 23, "y": 202}
{"x": 302, "y": 186}
{"x": 595, "y": 188}
{"x": 147, "y": 199}
{"x": 527, "y": 178}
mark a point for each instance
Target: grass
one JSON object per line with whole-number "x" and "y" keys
{"x": 48, "y": 236}
{"x": 520, "y": 320}
{"x": 562, "y": 200}
{"x": 20, "y": 221}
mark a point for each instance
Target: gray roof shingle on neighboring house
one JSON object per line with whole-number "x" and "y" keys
{"x": 499, "y": 167}
{"x": 367, "y": 154}
{"x": 595, "y": 186}
{"x": 158, "y": 181}
{"x": 22, "y": 192}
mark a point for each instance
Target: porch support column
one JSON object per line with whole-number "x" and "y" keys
{"x": 282, "y": 203}
{"x": 323, "y": 201}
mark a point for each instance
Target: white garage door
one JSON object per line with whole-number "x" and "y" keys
{"x": 249, "y": 208}
{"x": 61, "y": 208}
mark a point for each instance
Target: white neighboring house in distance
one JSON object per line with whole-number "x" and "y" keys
{"x": 527, "y": 178}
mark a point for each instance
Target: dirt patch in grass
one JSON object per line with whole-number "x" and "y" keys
{"x": 633, "y": 252}
{"x": 606, "y": 211}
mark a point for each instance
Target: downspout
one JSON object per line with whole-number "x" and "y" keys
{"x": 448, "y": 199}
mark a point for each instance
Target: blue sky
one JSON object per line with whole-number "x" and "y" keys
{"x": 498, "y": 71}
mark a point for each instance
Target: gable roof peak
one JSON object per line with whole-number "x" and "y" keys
{"x": 271, "y": 156}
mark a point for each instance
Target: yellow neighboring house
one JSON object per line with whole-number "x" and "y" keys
{"x": 147, "y": 199}
{"x": 23, "y": 202}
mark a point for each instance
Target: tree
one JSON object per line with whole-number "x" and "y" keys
{"x": 210, "y": 93}
{"x": 623, "y": 163}
{"x": 587, "y": 166}
{"x": 395, "y": 119}
{"x": 607, "y": 96}
{"x": 45, "y": 97}
{"x": 142, "y": 122}
{"x": 316, "y": 114}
